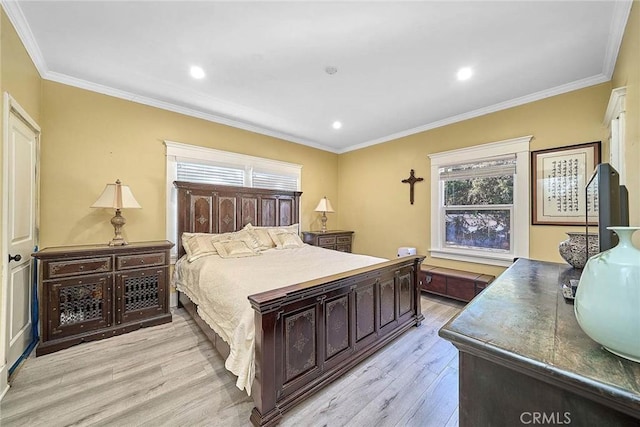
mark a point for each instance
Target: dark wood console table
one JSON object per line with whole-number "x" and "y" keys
{"x": 524, "y": 358}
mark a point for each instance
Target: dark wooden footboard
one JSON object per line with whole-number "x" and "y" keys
{"x": 308, "y": 335}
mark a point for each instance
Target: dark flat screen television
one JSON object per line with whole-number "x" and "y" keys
{"x": 607, "y": 205}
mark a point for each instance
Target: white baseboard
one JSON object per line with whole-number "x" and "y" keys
{"x": 4, "y": 385}
{"x": 173, "y": 299}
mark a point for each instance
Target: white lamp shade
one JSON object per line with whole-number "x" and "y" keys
{"x": 324, "y": 205}
{"x": 116, "y": 196}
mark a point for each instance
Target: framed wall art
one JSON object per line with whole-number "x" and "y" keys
{"x": 559, "y": 177}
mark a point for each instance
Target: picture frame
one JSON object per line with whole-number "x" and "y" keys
{"x": 559, "y": 176}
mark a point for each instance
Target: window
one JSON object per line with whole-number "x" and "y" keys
{"x": 199, "y": 164}
{"x": 480, "y": 203}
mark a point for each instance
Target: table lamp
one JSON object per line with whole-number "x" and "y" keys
{"x": 324, "y": 206}
{"x": 117, "y": 196}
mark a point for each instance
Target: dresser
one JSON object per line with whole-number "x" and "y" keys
{"x": 93, "y": 292}
{"x": 523, "y": 357}
{"x": 338, "y": 240}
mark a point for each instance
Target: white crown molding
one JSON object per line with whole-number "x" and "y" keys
{"x": 617, "y": 27}
{"x": 621, "y": 10}
{"x": 19, "y": 22}
{"x": 558, "y": 90}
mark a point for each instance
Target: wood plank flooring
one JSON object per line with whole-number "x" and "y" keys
{"x": 170, "y": 375}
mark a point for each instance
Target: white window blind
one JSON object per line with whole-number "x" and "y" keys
{"x": 210, "y": 174}
{"x": 274, "y": 181}
{"x": 481, "y": 169}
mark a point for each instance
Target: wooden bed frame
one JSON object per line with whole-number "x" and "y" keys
{"x": 309, "y": 334}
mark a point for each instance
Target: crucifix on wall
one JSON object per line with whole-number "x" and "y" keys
{"x": 411, "y": 181}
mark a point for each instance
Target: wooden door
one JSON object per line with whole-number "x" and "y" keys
{"x": 20, "y": 189}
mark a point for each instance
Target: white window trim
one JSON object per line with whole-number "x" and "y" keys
{"x": 180, "y": 152}
{"x": 614, "y": 121}
{"x": 521, "y": 200}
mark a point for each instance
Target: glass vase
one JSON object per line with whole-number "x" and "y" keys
{"x": 607, "y": 302}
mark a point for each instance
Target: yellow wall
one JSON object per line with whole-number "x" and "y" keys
{"x": 18, "y": 75}
{"x": 375, "y": 203}
{"x": 627, "y": 73}
{"x": 91, "y": 139}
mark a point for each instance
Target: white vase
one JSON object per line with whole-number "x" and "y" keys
{"x": 607, "y": 303}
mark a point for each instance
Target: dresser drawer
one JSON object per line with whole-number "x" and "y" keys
{"x": 76, "y": 267}
{"x": 326, "y": 240}
{"x": 140, "y": 260}
{"x": 343, "y": 240}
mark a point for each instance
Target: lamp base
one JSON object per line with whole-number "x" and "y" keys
{"x": 118, "y": 222}
{"x": 118, "y": 242}
{"x": 324, "y": 222}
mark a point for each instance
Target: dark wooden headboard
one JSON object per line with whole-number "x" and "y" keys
{"x": 206, "y": 208}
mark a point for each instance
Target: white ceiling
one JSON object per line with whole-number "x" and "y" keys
{"x": 265, "y": 61}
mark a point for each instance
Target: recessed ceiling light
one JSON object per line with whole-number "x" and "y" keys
{"x": 197, "y": 72}
{"x": 464, "y": 73}
{"x": 336, "y": 125}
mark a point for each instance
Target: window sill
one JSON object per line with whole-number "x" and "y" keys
{"x": 502, "y": 260}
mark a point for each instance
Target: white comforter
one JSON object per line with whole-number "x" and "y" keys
{"x": 220, "y": 288}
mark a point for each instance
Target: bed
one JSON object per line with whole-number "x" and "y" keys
{"x": 309, "y": 331}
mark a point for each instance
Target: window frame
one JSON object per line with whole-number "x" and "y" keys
{"x": 521, "y": 201}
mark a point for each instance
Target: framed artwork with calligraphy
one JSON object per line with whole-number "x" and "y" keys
{"x": 559, "y": 177}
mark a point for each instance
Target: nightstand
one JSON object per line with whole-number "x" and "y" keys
{"x": 93, "y": 292}
{"x": 338, "y": 240}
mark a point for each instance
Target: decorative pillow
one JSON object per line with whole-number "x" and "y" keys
{"x": 285, "y": 239}
{"x": 198, "y": 245}
{"x": 235, "y": 248}
{"x": 238, "y": 235}
{"x": 263, "y": 237}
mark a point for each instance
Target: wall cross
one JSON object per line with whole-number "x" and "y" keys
{"x": 411, "y": 181}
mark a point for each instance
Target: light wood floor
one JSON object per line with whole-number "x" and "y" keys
{"x": 170, "y": 375}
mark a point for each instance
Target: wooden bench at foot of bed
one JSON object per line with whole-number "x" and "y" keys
{"x": 309, "y": 334}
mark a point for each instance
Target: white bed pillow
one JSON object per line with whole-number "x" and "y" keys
{"x": 261, "y": 235}
{"x": 264, "y": 238}
{"x": 235, "y": 248}
{"x": 198, "y": 245}
{"x": 285, "y": 239}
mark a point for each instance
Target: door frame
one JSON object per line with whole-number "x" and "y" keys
{"x": 11, "y": 106}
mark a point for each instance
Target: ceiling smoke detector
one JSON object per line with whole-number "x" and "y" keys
{"x": 331, "y": 70}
